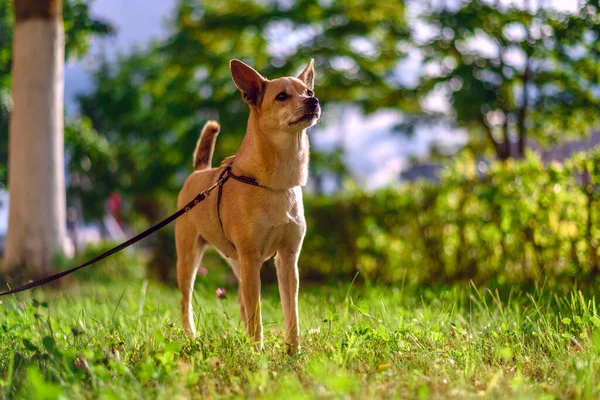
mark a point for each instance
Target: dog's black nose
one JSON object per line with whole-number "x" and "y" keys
{"x": 312, "y": 102}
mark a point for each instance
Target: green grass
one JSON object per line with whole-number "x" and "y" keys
{"x": 120, "y": 340}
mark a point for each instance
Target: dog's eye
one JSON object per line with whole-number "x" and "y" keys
{"x": 281, "y": 96}
{"x": 310, "y": 93}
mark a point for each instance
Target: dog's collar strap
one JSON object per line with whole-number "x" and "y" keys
{"x": 223, "y": 177}
{"x": 227, "y": 173}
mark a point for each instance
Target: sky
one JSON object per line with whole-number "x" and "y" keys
{"x": 374, "y": 154}
{"x": 136, "y": 23}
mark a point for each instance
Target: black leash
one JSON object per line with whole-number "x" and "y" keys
{"x": 200, "y": 197}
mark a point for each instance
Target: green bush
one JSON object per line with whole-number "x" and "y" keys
{"x": 518, "y": 222}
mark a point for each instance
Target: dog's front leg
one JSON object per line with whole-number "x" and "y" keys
{"x": 287, "y": 276}
{"x": 250, "y": 287}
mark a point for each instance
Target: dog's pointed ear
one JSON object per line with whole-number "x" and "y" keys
{"x": 248, "y": 81}
{"x": 308, "y": 75}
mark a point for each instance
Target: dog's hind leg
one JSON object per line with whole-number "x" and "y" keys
{"x": 189, "y": 253}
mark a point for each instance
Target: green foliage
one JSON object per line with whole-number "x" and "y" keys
{"x": 6, "y": 21}
{"x": 150, "y": 105}
{"x": 519, "y": 222}
{"x": 553, "y": 94}
{"x": 79, "y": 28}
{"x": 354, "y": 44}
{"x": 123, "y": 339}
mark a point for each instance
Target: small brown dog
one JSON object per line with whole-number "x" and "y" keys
{"x": 251, "y": 223}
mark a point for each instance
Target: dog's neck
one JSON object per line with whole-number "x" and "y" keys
{"x": 280, "y": 163}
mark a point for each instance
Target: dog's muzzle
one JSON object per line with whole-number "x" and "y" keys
{"x": 312, "y": 107}
{"x": 312, "y": 104}
{"x": 312, "y": 111}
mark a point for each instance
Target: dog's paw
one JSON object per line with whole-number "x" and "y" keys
{"x": 293, "y": 349}
{"x": 258, "y": 347}
{"x": 190, "y": 332}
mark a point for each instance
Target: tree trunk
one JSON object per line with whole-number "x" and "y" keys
{"x": 506, "y": 147}
{"x": 36, "y": 224}
{"x": 522, "y": 129}
{"x": 522, "y": 116}
{"x": 501, "y": 148}
{"x": 589, "y": 235}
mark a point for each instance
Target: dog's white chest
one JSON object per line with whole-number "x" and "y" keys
{"x": 286, "y": 207}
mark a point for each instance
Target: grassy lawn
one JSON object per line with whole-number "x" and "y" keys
{"x": 123, "y": 339}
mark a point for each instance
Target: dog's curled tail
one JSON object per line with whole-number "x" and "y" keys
{"x": 206, "y": 145}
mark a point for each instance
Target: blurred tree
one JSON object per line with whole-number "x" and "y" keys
{"x": 513, "y": 72}
{"x": 36, "y": 226}
{"x": 79, "y": 27}
{"x": 151, "y": 104}
{"x": 36, "y": 232}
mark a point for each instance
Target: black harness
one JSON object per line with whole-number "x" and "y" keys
{"x": 224, "y": 177}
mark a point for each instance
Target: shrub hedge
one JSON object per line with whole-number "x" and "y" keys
{"x": 519, "y": 221}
